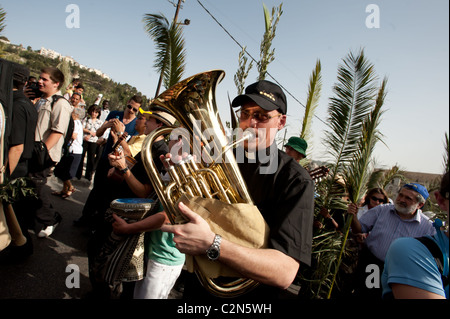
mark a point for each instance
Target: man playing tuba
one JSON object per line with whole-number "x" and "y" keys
{"x": 281, "y": 189}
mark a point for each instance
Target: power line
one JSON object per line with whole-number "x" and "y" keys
{"x": 254, "y": 60}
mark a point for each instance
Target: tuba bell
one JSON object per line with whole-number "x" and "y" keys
{"x": 199, "y": 173}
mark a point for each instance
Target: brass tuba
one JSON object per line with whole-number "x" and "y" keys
{"x": 192, "y": 102}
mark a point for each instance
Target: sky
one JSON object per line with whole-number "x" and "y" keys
{"x": 409, "y": 46}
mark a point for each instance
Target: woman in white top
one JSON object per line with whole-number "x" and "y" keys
{"x": 67, "y": 167}
{"x": 90, "y": 147}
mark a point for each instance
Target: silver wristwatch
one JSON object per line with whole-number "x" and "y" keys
{"x": 213, "y": 252}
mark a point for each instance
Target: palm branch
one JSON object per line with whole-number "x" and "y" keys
{"x": 242, "y": 72}
{"x": 357, "y": 174}
{"x": 351, "y": 113}
{"x": 170, "y": 53}
{"x": 314, "y": 91}
{"x": 174, "y": 70}
{"x": 2, "y": 20}
{"x": 267, "y": 55}
{"x": 355, "y": 93}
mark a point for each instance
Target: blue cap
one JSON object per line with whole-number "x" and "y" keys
{"x": 419, "y": 189}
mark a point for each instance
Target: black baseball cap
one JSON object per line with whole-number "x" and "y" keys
{"x": 266, "y": 94}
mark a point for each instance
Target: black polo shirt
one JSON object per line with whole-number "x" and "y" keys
{"x": 283, "y": 191}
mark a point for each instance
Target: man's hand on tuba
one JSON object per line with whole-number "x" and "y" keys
{"x": 194, "y": 237}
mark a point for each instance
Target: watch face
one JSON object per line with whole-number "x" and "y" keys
{"x": 213, "y": 253}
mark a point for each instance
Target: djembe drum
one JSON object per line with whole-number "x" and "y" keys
{"x": 121, "y": 258}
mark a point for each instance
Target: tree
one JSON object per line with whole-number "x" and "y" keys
{"x": 64, "y": 67}
{"x": 170, "y": 59}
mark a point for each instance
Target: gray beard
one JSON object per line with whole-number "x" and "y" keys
{"x": 404, "y": 210}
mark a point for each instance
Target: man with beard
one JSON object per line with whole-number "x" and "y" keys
{"x": 417, "y": 268}
{"x": 385, "y": 223}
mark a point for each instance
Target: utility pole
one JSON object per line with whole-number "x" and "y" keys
{"x": 177, "y": 11}
{"x": 175, "y": 18}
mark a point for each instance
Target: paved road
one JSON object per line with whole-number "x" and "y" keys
{"x": 43, "y": 275}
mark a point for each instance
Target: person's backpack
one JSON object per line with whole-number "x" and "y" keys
{"x": 437, "y": 255}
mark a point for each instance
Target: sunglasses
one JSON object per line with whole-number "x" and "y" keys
{"x": 376, "y": 199}
{"x": 258, "y": 116}
{"x": 132, "y": 108}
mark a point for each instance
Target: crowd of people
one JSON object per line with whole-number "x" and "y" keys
{"x": 111, "y": 145}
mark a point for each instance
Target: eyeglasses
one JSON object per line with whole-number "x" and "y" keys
{"x": 132, "y": 108}
{"x": 258, "y": 116}
{"x": 376, "y": 199}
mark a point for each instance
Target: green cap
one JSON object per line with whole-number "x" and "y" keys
{"x": 298, "y": 144}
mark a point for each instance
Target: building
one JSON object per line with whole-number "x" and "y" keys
{"x": 56, "y": 55}
{"x": 50, "y": 53}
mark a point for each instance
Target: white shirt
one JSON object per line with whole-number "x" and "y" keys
{"x": 104, "y": 114}
{"x": 91, "y": 126}
{"x": 362, "y": 211}
{"x": 77, "y": 144}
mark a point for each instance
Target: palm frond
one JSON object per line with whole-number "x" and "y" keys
{"x": 170, "y": 61}
{"x": 242, "y": 73}
{"x": 355, "y": 93}
{"x": 176, "y": 52}
{"x": 267, "y": 55}
{"x": 157, "y": 27}
{"x": 357, "y": 174}
{"x": 2, "y": 20}
{"x": 314, "y": 91}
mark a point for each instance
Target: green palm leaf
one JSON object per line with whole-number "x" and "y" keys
{"x": 2, "y": 20}
{"x": 355, "y": 93}
{"x": 157, "y": 26}
{"x": 357, "y": 174}
{"x": 314, "y": 91}
{"x": 170, "y": 59}
{"x": 267, "y": 55}
{"x": 354, "y": 115}
{"x": 177, "y": 61}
